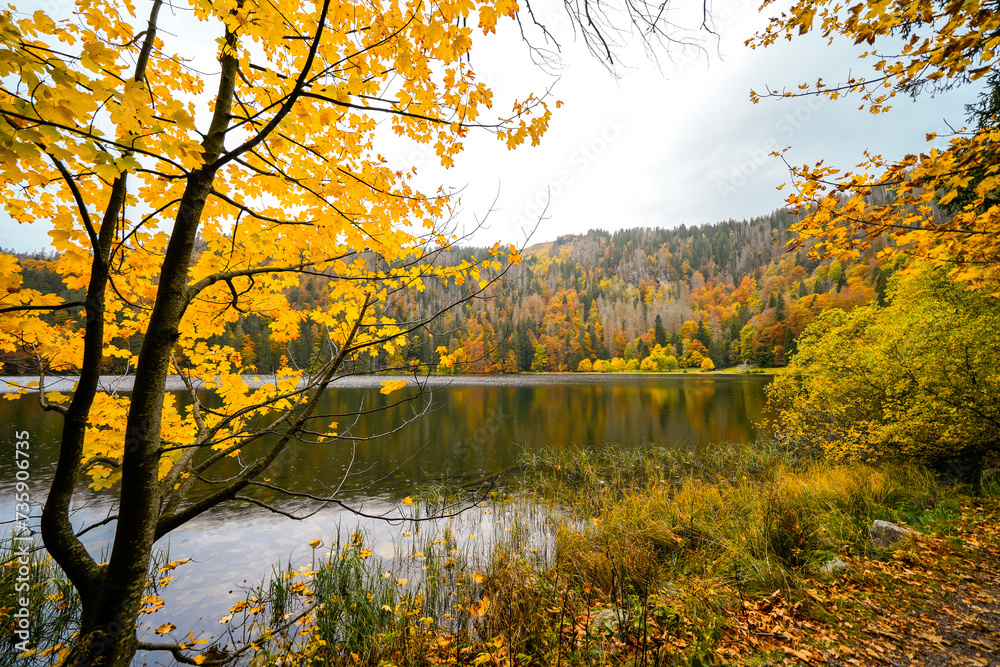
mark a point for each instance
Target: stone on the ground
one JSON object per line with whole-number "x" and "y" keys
{"x": 833, "y": 566}
{"x": 605, "y": 621}
{"x": 885, "y": 534}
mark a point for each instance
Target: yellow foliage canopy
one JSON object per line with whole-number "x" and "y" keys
{"x": 264, "y": 174}
{"x": 940, "y": 204}
{"x": 914, "y": 380}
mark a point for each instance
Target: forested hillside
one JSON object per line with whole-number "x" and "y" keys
{"x": 714, "y": 295}
{"x": 728, "y": 292}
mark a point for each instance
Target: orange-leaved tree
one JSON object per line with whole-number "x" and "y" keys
{"x": 940, "y": 204}
{"x": 180, "y": 201}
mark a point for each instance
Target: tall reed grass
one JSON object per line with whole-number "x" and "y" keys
{"x": 612, "y": 553}
{"x": 606, "y": 556}
{"x": 32, "y": 588}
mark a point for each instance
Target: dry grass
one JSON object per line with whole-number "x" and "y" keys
{"x": 644, "y": 557}
{"x": 667, "y": 544}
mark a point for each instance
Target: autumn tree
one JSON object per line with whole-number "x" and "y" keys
{"x": 540, "y": 359}
{"x": 658, "y": 360}
{"x": 940, "y": 204}
{"x": 746, "y": 343}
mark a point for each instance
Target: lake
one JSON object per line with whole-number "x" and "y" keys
{"x": 474, "y": 428}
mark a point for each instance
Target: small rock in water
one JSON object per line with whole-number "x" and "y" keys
{"x": 885, "y": 534}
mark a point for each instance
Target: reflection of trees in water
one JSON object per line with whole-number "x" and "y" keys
{"x": 478, "y": 429}
{"x": 698, "y": 396}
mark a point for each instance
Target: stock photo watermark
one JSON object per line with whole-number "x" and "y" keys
{"x": 22, "y": 538}
{"x": 784, "y": 129}
{"x": 578, "y": 162}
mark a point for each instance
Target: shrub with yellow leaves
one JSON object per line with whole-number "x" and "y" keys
{"x": 917, "y": 379}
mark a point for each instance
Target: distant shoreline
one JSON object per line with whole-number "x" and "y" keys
{"x": 124, "y": 383}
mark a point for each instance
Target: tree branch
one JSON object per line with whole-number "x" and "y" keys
{"x": 169, "y": 522}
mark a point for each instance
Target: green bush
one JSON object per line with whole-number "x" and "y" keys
{"x": 915, "y": 380}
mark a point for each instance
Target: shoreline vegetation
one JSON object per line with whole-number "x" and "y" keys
{"x": 731, "y": 554}
{"x": 12, "y": 383}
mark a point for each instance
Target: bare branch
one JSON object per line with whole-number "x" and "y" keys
{"x": 62, "y": 306}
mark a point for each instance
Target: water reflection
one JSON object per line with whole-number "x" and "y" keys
{"x": 475, "y": 428}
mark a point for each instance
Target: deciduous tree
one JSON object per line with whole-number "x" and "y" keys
{"x": 181, "y": 201}
{"x": 940, "y": 204}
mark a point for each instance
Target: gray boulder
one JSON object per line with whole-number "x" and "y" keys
{"x": 833, "y": 566}
{"x": 885, "y": 534}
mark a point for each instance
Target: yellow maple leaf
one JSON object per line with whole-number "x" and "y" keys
{"x": 165, "y": 628}
{"x": 389, "y": 386}
{"x": 479, "y": 608}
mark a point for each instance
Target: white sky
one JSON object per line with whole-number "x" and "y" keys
{"x": 685, "y": 144}
{"x": 658, "y": 146}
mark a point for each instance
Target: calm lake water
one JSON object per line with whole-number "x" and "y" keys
{"x": 475, "y": 428}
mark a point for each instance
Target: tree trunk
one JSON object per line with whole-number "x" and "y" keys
{"x": 111, "y": 595}
{"x": 107, "y": 629}
{"x": 106, "y": 639}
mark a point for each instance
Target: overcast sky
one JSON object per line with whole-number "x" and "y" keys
{"x": 668, "y": 141}
{"x": 683, "y": 144}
